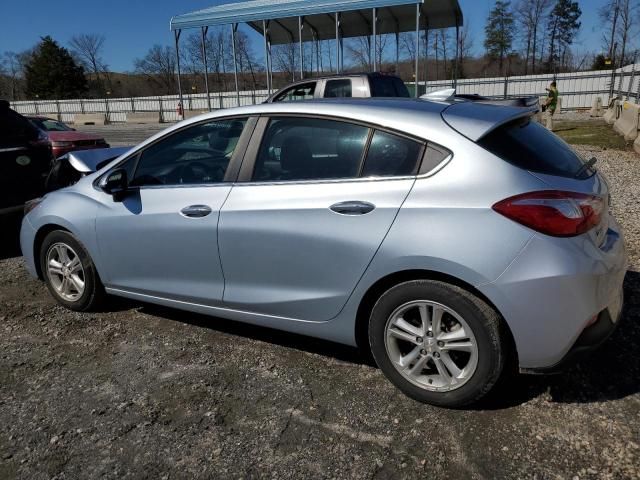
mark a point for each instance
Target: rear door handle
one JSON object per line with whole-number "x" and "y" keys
{"x": 352, "y": 207}
{"x": 196, "y": 211}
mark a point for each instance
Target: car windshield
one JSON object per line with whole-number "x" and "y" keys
{"x": 528, "y": 145}
{"x": 49, "y": 125}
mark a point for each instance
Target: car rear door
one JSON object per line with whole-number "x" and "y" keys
{"x": 25, "y": 159}
{"x": 297, "y": 233}
{"x": 161, "y": 239}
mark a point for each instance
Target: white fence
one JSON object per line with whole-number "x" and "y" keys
{"x": 578, "y": 90}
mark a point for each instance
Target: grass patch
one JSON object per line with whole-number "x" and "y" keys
{"x": 594, "y": 132}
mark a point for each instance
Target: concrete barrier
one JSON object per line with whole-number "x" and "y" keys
{"x": 143, "y": 117}
{"x": 636, "y": 144}
{"x": 627, "y": 123}
{"x": 596, "y": 108}
{"x": 90, "y": 119}
{"x": 612, "y": 113}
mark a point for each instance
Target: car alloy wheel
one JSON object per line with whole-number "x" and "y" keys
{"x": 431, "y": 345}
{"x": 65, "y": 272}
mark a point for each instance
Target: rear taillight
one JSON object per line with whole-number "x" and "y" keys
{"x": 553, "y": 212}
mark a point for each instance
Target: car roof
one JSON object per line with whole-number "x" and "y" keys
{"x": 431, "y": 120}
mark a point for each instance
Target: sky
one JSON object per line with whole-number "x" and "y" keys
{"x": 131, "y": 27}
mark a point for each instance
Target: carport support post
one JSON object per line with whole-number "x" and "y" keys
{"x": 417, "y": 46}
{"x": 234, "y": 27}
{"x": 375, "y": 41}
{"x": 337, "y": 42}
{"x": 397, "y": 51}
{"x": 300, "y": 47}
{"x": 205, "y": 30}
{"x": 267, "y": 64}
{"x": 177, "y": 37}
{"x": 455, "y": 67}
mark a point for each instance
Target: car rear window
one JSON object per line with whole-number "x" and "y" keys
{"x": 387, "y": 87}
{"x": 528, "y": 145}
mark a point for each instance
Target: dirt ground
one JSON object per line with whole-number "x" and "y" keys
{"x": 140, "y": 391}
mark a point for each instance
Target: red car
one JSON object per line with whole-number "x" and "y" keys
{"x": 66, "y": 139}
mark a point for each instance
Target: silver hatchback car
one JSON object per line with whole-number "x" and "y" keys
{"x": 449, "y": 238}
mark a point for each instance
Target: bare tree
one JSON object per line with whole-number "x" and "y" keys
{"x": 626, "y": 27}
{"x": 159, "y": 66}
{"x": 285, "y": 58}
{"x": 609, "y": 14}
{"x": 530, "y": 15}
{"x": 361, "y": 50}
{"x": 88, "y": 49}
{"x": 12, "y": 66}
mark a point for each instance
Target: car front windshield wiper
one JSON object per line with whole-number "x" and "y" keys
{"x": 586, "y": 166}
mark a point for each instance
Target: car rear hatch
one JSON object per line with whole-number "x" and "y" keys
{"x": 513, "y": 135}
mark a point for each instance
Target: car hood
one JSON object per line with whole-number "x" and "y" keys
{"x": 87, "y": 161}
{"x": 71, "y": 136}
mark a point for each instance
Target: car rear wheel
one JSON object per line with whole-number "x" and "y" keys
{"x": 437, "y": 343}
{"x": 69, "y": 273}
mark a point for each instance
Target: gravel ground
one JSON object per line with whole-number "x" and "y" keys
{"x": 146, "y": 392}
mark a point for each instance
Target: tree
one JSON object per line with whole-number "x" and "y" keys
{"x": 12, "y": 67}
{"x": 88, "y": 48}
{"x": 530, "y": 14}
{"x": 159, "y": 66}
{"x": 52, "y": 73}
{"x": 562, "y": 26}
{"x": 499, "y": 31}
{"x": 626, "y": 27}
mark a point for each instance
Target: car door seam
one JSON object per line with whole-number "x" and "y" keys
{"x": 224, "y": 280}
{"x": 384, "y": 237}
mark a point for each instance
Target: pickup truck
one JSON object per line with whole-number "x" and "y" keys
{"x": 357, "y": 85}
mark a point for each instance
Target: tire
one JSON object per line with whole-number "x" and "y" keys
{"x": 64, "y": 276}
{"x": 471, "y": 336}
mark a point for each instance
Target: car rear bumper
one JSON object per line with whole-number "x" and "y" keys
{"x": 589, "y": 340}
{"x": 554, "y": 290}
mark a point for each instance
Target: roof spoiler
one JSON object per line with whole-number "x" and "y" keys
{"x": 449, "y": 94}
{"x": 474, "y": 120}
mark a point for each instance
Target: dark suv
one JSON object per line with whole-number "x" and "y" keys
{"x": 356, "y": 85}
{"x": 25, "y": 160}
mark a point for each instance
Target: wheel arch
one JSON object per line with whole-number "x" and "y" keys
{"x": 385, "y": 283}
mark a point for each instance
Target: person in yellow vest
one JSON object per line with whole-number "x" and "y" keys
{"x": 551, "y": 103}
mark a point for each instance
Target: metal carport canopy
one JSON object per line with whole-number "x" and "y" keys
{"x": 355, "y": 17}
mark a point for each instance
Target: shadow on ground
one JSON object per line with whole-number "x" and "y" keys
{"x": 10, "y": 235}
{"x": 609, "y": 373}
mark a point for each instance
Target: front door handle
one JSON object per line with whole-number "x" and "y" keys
{"x": 352, "y": 207}
{"x": 196, "y": 211}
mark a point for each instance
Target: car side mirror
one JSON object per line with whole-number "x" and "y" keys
{"x": 115, "y": 183}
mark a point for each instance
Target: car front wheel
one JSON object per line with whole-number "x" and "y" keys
{"x": 69, "y": 273}
{"x": 437, "y": 343}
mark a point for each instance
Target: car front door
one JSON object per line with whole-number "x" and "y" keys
{"x": 297, "y": 235}
{"x": 161, "y": 239}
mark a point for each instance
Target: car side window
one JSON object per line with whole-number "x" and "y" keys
{"x": 310, "y": 149}
{"x": 198, "y": 154}
{"x": 338, "y": 88}
{"x": 304, "y": 91}
{"x": 391, "y": 155}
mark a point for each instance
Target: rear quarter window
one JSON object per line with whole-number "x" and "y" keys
{"x": 387, "y": 87}
{"x": 528, "y": 145}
